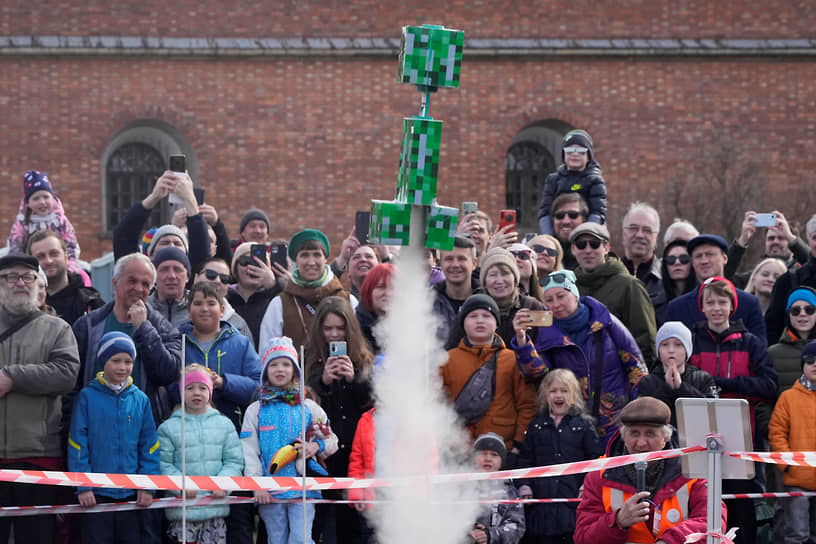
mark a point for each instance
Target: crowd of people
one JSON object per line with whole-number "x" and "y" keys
{"x": 559, "y": 350}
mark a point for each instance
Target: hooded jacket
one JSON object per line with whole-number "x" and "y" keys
{"x": 513, "y": 405}
{"x": 805, "y": 275}
{"x": 625, "y": 297}
{"x": 232, "y": 356}
{"x": 589, "y": 183}
{"x": 596, "y": 521}
{"x": 686, "y": 308}
{"x": 793, "y": 428}
{"x": 212, "y": 448}
{"x": 622, "y": 366}
{"x": 114, "y": 433}
{"x": 786, "y": 358}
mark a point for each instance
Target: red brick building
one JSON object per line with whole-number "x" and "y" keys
{"x": 293, "y": 106}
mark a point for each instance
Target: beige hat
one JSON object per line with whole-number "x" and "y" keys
{"x": 598, "y": 231}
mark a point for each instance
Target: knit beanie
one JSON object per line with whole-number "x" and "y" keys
{"x": 171, "y": 253}
{"x": 578, "y": 137}
{"x": 196, "y": 373}
{"x": 252, "y": 215}
{"x": 561, "y": 278}
{"x": 491, "y": 442}
{"x": 279, "y": 347}
{"x": 497, "y": 255}
{"x": 809, "y": 353}
{"x": 164, "y": 230}
{"x": 307, "y": 235}
{"x": 717, "y": 278}
{"x": 807, "y": 294}
{"x": 146, "y": 239}
{"x": 478, "y": 302}
{"x": 34, "y": 181}
{"x": 675, "y": 329}
{"x": 113, "y": 343}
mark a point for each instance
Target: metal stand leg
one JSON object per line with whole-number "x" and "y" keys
{"x": 714, "y": 443}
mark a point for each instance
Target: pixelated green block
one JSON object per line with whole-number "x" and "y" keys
{"x": 390, "y": 223}
{"x": 419, "y": 160}
{"x": 431, "y": 56}
{"x": 441, "y": 227}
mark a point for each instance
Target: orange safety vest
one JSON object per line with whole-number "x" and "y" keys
{"x": 673, "y": 510}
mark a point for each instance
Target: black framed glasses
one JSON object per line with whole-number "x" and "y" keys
{"x": 246, "y": 260}
{"x": 538, "y": 248}
{"x": 11, "y": 278}
{"x": 523, "y": 255}
{"x": 212, "y": 274}
{"x": 581, "y": 244}
{"x": 796, "y": 310}
{"x": 571, "y": 213}
{"x": 671, "y": 259}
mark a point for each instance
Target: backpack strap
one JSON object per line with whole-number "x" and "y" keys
{"x": 19, "y": 325}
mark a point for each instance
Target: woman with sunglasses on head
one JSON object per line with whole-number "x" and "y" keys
{"x": 528, "y": 277}
{"x": 586, "y": 339}
{"x": 800, "y": 328}
{"x": 763, "y": 278}
{"x": 548, "y": 255}
{"x": 255, "y": 286}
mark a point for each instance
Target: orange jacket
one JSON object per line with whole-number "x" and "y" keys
{"x": 514, "y": 404}
{"x": 793, "y": 428}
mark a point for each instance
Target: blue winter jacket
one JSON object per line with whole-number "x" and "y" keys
{"x": 686, "y": 308}
{"x": 233, "y": 357}
{"x": 574, "y": 439}
{"x": 112, "y": 433}
{"x": 158, "y": 349}
{"x": 623, "y": 364}
{"x": 212, "y": 449}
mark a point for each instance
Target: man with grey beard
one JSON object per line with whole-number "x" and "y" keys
{"x": 39, "y": 363}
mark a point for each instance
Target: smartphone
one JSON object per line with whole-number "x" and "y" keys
{"x": 469, "y": 207}
{"x": 258, "y": 250}
{"x": 541, "y": 318}
{"x": 765, "y": 220}
{"x": 277, "y": 254}
{"x": 362, "y": 222}
{"x": 178, "y": 163}
{"x": 199, "y": 194}
{"x": 337, "y": 348}
{"x": 507, "y": 217}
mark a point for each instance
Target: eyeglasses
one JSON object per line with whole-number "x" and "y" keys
{"x": 246, "y": 260}
{"x": 576, "y": 149}
{"x": 637, "y": 228}
{"x": 11, "y": 278}
{"x": 538, "y": 248}
{"x": 581, "y": 244}
{"x": 212, "y": 274}
{"x": 572, "y": 215}
{"x": 796, "y": 310}
{"x": 671, "y": 259}
{"x": 523, "y": 255}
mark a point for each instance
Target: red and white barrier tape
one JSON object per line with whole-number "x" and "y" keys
{"x": 797, "y": 458}
{"x": 727, "y": 538}
{"x": 272, "y": 483}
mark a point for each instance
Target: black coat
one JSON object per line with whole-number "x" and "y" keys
{"x": 573, "y": 440}
{"x": 74, "y": 300}
{"x": 589, "y": 183}
{"x": 696, "y": 383}
{"x": 254, "y": 308}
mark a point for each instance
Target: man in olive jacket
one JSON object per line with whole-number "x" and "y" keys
{"x": 603, "y": 276}
{"x": 38, "y": 364}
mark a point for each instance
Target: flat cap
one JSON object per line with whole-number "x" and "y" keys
{"x": 646, "y": 411}
{"x": 598, "y": 231}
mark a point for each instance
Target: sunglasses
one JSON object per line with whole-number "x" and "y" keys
{"x": 581, "y": 244}
{"x": 246, "y": 260}
{"x": 575, "y": 149}
{"x": 558, "y": 278}
{"x": 544, "y": 249}
{"x": 809, "y": 360}
{"x": 523, "y": 255}
{"x": 796, "y": 310}
{"x": 671, "y": 259}
{"x": 212, "y": 274}
{"x": 572, "y": 215}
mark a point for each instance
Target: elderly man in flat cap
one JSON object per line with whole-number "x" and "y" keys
{"x": 666, "y": 510}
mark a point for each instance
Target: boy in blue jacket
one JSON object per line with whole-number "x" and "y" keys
{"x": 112, "y": 431}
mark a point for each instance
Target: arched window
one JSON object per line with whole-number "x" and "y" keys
{"x": 133, "y": 160}
{"x": 131, "y": 172}
{"x": 534, "y": 153}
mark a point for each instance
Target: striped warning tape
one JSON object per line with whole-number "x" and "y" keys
{"x": 798, "y": 458}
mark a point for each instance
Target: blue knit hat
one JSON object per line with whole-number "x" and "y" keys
{"x": 113, "y": 343}
{"x": 809, "y": 353}
{"x": 802, "y": 293}
{"x": 675, "y": 329}
{"x": 279, "y": 347}
{"x": 34, "y": 181}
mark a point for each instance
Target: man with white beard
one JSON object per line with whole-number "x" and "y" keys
{"x": 39, "y": 362}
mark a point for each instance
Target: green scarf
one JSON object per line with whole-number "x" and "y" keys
{"x": 316, "y": 283}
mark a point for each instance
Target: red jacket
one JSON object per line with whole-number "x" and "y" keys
{"x": 361, "y": 462}
{"x": 596, "y": 517}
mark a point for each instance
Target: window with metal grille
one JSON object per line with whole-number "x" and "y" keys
{"x": 527, "y": 165}
{"x": 130, "y": 174}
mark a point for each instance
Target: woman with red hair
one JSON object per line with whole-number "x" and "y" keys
{"x": 375, "y": 294}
